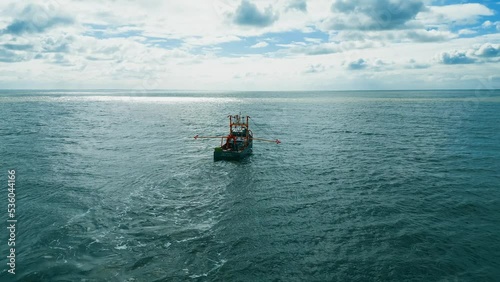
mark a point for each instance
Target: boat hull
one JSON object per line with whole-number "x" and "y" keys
{"x": 227, "y": 155}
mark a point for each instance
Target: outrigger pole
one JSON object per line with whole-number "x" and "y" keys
{"x": 277, "y": 141}
{"x": 196, "y": 137}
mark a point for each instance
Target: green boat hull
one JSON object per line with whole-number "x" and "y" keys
{"x": 226, "y": 155}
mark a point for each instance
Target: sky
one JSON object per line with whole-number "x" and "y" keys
{"x": 250, "y": 44}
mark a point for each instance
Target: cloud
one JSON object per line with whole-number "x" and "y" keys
{"x": 466, "y": 31}
{"x": 315, "y": 68}
{"x": 428, "y": 35}
{"x": 455, "y": 14}
{"x": 260, "y": 45}
{"x": 373, "y": 15}
{"x": 210, "y": 40}
{"x": 485, "y": 53}
{"x": 108, "y": 31}
{"x": 17, "y": 47}
{"x": 60, "y": 59}
{"x": 412, "y": 64}
{"x": 359, "y": 64}
{"x": 393, "y": 36}
{"x": 455, "y": 58}
{"x": 313, "y": 40}
{"x": 36, "y": 19}
{"x": 9, "y": 56}
{"x": 374, "y": 64}
{"x": 320, "y": 49}
{"x": 311, "y": 49}
{"x": 314, "y": 48}
{"x": 247, "y": 14}
{"x": 57, "y": 44}
{"x": 489, "y": 24}
{"x": 488, "y": 50}
{"x": 299, "y": 5}
{"x": 380, "y": 64}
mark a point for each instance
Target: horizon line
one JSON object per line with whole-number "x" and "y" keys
{"x": 229, "y": 90}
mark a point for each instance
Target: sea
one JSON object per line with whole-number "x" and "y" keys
{"x": 110, "y": 185}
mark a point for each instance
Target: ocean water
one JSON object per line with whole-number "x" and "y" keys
{"x": 365, "y": 186}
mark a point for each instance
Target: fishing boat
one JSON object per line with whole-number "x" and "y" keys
{"x": 238, "y": 144}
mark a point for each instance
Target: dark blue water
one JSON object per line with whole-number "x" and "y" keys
{"x": 366, "y": 186}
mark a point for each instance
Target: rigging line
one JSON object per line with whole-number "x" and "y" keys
{"x": 258, "y": 126}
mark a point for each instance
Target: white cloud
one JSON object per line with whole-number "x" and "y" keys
{"x": 484, "y": 53}
{"x": 489, "y": 24}
{"x": 260, "y": 45}
{"x": 358, "y": 64}
{"x": 456, "y": 14}
{"x": 488, "y": 50}
{"x": 299, "y": 5}
{"x": 315, "y": 69}
{"x": 313, "y": 40}
{"x": 466, "y": 31}
{"x": 373, "y": 64}
{"x": 393, "y": 36}
{"x": 373, "y": 15}
{"x": 455, "y": 58}
{"x": 210, "y": 40}
{"x": 247, "y": 14}
{"x": 412, "y": 64}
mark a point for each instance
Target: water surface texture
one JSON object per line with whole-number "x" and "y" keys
{"x": 365, "y": 186}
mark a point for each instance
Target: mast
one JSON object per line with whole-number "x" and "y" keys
{"x": 247, "y": 131}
